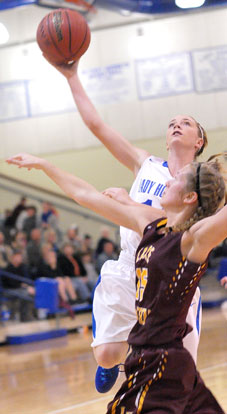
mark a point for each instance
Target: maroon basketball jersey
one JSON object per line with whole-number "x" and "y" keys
{"x": 165, "y": 285}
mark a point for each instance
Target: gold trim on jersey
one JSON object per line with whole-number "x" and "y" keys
{"x": 162, "y": 223}
{"x": 176, "y": 277}
{"x": 156, "y": 376}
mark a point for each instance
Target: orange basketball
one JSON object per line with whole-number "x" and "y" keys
{"x": 63, "y": 35}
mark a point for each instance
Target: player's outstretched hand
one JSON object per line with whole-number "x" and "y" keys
{"x": 24, "y": 160}
{"x": 118, "y": 194}
{"x": 67, "y": 70}
{"x": 223, "y": 282}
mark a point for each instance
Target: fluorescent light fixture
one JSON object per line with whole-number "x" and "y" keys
{"x": 188, "y": 4}
{"x": 4, "y": 34}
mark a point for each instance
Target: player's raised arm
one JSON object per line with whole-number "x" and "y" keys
{"x": 135, "y": 216}
{"x": 129, "y": 155}
{"x": 204, "y": 236}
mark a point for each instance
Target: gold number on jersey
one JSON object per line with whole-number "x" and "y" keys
{"x": 141, "y": 283}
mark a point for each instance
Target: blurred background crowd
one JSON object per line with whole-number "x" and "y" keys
{"x": 33, "y": 245}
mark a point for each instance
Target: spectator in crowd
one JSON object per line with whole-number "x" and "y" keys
{"x": 30, "y": 222}
{"x": 10, "y": 221}
{"x": 49, "y": 268}
{"x": 34, "y": 253}
{"x": 21, "y": 292}
{"x": 86, "y": 246}
{"x": 108, "y": 253}
{"x": 89, "y": 265}
{"x": 50, "y": 236}
{"x": 4, "y": 218}
{"x": 104, "y": 237}
{"x": 72, "y": 237}
{"x": 45, "y": 248}
{"x": 19, "y": 243}
{"x": 5, "y": 251}
{"x": 49, "y": 216}
{"x": 20, "y": 220}
{"x": 72, "y": 266}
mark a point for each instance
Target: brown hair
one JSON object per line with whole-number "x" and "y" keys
{"x": 207, "y": 179}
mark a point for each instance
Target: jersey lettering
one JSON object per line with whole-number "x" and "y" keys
{"x": 145, "y": 186}
{"x": 142, "y": 314}
{"x": 159, "y": 190}
{"x": 145, "y": 253}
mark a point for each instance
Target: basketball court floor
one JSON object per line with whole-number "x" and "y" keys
{"x": 57, "y": 376}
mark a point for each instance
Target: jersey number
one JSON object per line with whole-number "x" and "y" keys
{"x": 141, "y": 283}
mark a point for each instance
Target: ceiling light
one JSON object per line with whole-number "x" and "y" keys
{"x": 188, "y": 4}
{"x": 4, "y": 34}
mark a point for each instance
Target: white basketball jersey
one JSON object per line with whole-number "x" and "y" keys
{"x": 147, "y": 188}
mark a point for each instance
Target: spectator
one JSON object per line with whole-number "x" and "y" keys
{"x": 72, "y": 266}
{"x": 104, "y": 237}
{"x": 4, "y": 228}
{"x": 24, "y": 292}
{"x": 10, "y": 221}
{"x": 20, "y": 220}
{"x": 86, "y": 246}
{"x": 19, "y": 243}
{"x": 49, "y": 268}
{"x": 87, "y": 261}
{"x": 50, "y": 236}
{"x": 30, "y": 222}
{"x": 107, "y": 254}
{"x": 34, "y": 253}
{"x": 49, "y": 216}
{"x": 72, "y": 237}
{"x": 5, "y": 251}
{"x": 49, "y": 219}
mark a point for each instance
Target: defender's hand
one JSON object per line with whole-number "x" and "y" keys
{"x": 23, "y": 160}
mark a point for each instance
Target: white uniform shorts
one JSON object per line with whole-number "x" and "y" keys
{"x": 114, "y": 307}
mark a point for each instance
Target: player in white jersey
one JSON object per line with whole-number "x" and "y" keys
{"x": 147, "y": 188}
{"x": 114, "y": 298}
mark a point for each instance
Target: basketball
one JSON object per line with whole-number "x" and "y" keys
{"x": 63, "y": 35}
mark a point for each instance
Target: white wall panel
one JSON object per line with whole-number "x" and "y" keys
{"x": 134, "y": 118}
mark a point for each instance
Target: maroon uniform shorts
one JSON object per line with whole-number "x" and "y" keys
{"x": 162, "y": 381}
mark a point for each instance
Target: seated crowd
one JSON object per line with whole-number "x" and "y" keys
{"x": 32, "y": 245}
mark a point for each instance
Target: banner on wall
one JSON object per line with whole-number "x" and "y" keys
{"x": 198, "y": 71}
{"x": 49, "y": 97}
{"x": 210, "y": 69}
{"x": 36, "y": 97}
{"x": 109, "y": 84}
{"x": 13, "y": 101}
{"x": 164, "y": 76}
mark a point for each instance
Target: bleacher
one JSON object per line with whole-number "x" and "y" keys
{"x": 46, "y": 298}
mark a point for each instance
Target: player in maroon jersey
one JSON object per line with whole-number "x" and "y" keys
{"x": 161, "y": 375}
